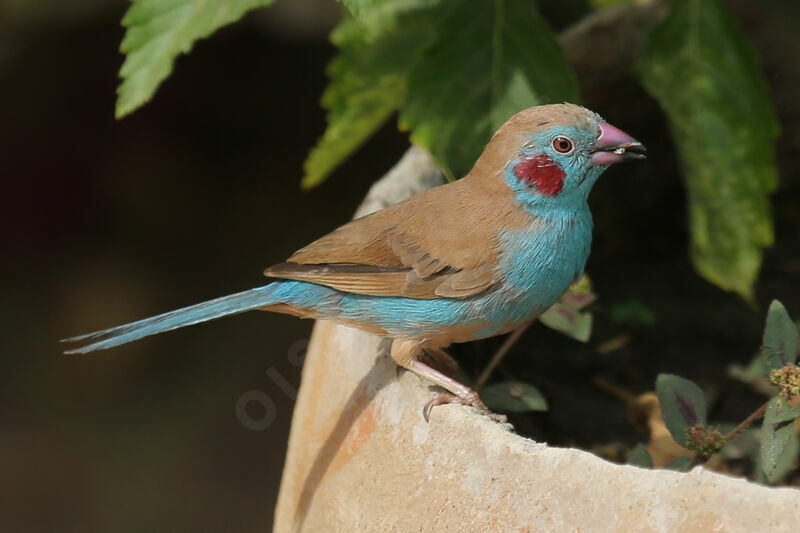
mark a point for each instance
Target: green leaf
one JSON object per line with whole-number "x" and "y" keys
{"x": 368, "y": 79}
{"x": 682, "y": 404}
{"x": 639, "y": 456}
{"x": 787, "y": 460}
{"x": 681, "y": 464}
{"x": 781, "y": 341}
{"x": 160, "y": 30}
{"x": 579, "y": 294}
{"x": 490, "y": 59}
{"x": 569, "y": 321}
{"x": 632, "y": 312}
{"x": 600, "y": 4}
{"x": 361, "y": 8}
{"x": 513, "y": 397}
{"x": 698, "y": 66}
{"x": 779, "y": 411}
{"x": 779, "y": 443}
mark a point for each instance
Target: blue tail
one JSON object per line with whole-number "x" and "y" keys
{"x": 194, "y": 314}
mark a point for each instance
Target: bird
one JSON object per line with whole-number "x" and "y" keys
{"x": 470, "y": 259}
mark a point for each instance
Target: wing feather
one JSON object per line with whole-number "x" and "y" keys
{"x": 443, "y": 243}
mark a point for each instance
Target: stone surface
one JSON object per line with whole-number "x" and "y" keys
{"x": 362, "y": 458}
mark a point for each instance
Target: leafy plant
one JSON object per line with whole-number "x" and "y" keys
{"x": 698, "y": 66}
{"x": 160, "y": 30}
{"x": 684, "y": 407}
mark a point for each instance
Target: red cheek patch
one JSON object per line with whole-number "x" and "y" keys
{"x": 541, "y": 172}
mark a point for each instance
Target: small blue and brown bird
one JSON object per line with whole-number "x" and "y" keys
{"x": 467, "y": 260}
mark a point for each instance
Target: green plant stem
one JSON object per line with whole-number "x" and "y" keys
{"x": 746, "y": 422}
{"x": 498, "y": 356}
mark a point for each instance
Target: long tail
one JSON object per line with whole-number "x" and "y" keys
{"x": 194, "y": 314}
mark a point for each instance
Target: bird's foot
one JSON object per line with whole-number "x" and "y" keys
{"x": 472, "y": 399}
{"x": 441, "y": 361}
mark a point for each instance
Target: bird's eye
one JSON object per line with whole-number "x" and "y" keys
{"x": 562, "y": 145}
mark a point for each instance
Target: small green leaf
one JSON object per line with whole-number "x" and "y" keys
{"x": 682, "y": 404}
{"x": 681, "y": 464}
{"x": 698, "y": 66}
{"x": 639, "y": 456}
{"x": 160, "y": 30}
{"x": 632, "y": 312}
{"x": 781, "y": 341}
{"x": 779, "y": 411}
{"x": 579, "y": 294}
{"x": 368, "y": 79}
{"x": 513, "y": 397}
{"x": 778, "y": 442}
{"x": 600, "y": 4}
{"x": 359, "y": 8}
{"x": 787, "y": 460}
{"x": 489, "y": 60}
{"x": 569, "y": 321}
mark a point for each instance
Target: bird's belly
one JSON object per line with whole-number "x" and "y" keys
{"x": 446, "y": 320}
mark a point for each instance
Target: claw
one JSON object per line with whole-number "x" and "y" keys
{"x": 473, "y": 400}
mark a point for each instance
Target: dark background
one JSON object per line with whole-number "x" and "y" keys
{"x": 103, "y": 222}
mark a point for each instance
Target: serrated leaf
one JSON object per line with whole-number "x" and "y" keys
{"x": 639, "y": 456}
{"x": 513, "y": 397}
{"x": 359, "y": 8}
{"x": 681, "y": 464}
{"x": 160, "y": 30}
{"x": 489, "y": 60}
{"x": 368, "y": 79}
{"x": 780, "y": 342}
{"x": 779, "y": 447}
{"x": 682, "y": 404}
{"x": 697, "y": 65}
{"x": 569, "y": 321}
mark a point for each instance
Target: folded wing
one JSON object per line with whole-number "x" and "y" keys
{"x": 443, "y": 243}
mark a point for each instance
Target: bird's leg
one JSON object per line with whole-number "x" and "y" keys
{"x": 405, "y": 353}
{"x": 442, "y": 361}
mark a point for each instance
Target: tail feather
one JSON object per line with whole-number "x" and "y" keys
{"x": 194, "y": 314}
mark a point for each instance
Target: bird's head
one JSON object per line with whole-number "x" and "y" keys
{"x": 551, "y": 155}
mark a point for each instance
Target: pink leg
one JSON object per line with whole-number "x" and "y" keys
{"x": 442, "y": 361}
{"x": 457, "y": 392}
{"x": 406, "y": 353}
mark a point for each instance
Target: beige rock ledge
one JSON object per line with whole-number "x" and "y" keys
{"x": 361, "y": 457}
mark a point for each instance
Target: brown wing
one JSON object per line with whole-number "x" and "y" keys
{"x": 441, "y": 243}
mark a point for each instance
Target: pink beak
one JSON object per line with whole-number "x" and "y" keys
{"x": 614, "y": 145}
